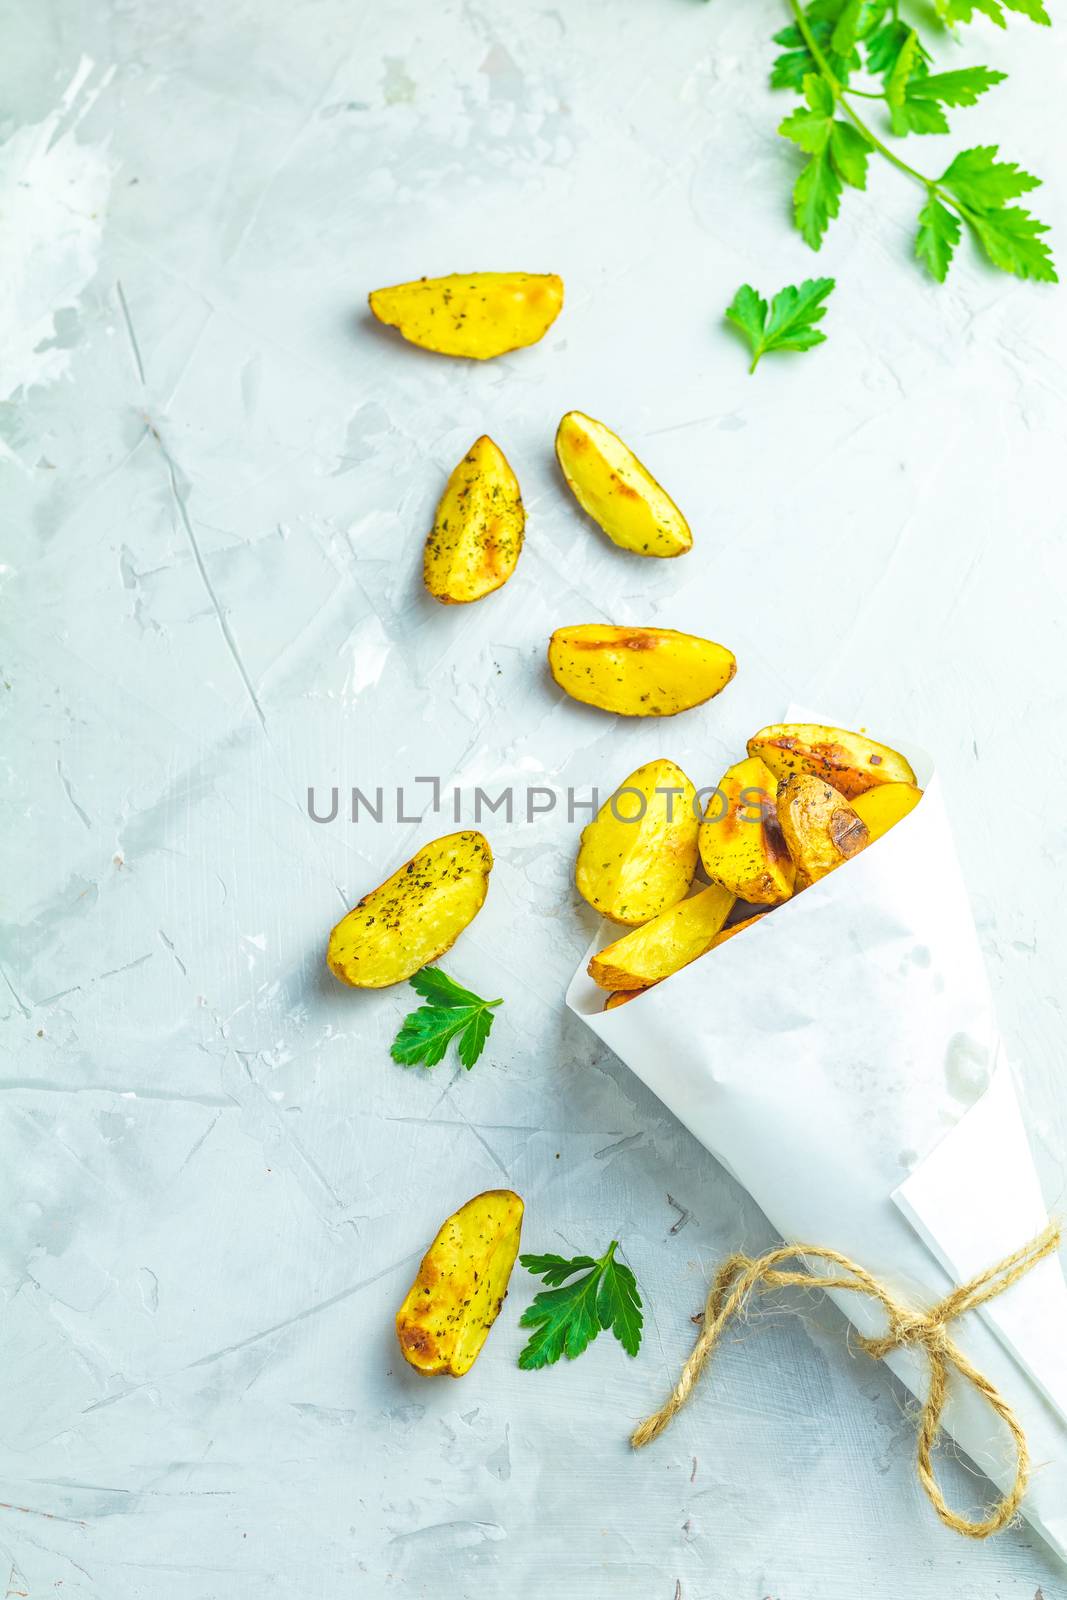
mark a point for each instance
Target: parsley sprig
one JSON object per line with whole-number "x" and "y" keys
{"x": 568, "y": 1319}
{"x": 826, "y": 44}
{"x": 791, "y": 324}
{"x": 451, "y": 1013}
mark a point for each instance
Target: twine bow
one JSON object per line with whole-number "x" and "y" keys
{"x": 742, "y": 1276}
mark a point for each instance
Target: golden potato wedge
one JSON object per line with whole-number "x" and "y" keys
{"x": 620, "y": 997}
{"x": 639, "y": 854}
{"x": 638, "y": 672}
{"x": 665, "y": 945}
{"x": 882, "y": 808}
{"x": 728, "y": 933}
{"x": 477, "y": 532}
{"x": 850, "y": 761}
{"x": 414, "y": 916}
{"x": 620, "y": 495}
{"x": 820, "y": 827}
{"x": 461, "y": 1284}
{"x": 475, "y": 314}
{"x": 741, "y": 844}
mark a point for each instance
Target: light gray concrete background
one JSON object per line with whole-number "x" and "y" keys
{"x": 218, "y": 475}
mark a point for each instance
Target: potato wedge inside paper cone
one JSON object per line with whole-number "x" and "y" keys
{"x": 822, "y": 1056}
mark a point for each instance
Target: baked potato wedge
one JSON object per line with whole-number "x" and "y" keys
{"x": 820, "y": 828}
{"x": 850, "y": 761}
{"x": 638, "y": 672}
{"x": 477, "y": 532}
{"x": 475, "y": 314}
{"x": 669, "y": 942}
{"x": 882, "y": 808}
{"x": 621, "y": 496}
{"x": 461, "y": 1284}
{"x": 736, "y": 927}
{"x": 639, "y": 854}
{"x": 741, "y": 844}
{"x": 414, "y": 916}
{"x": 620, "y": 997}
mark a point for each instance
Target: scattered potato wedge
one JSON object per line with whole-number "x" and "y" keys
{"x": 882, "y": 808}
{"x": 638, "y": 672}
{"x": 736, "y": 927}
{"x": 850, "y": 761}
{"x": 476, "y": 314}
{"x": 820, "y": 827}
{"x": 741, "y": 843}
{"x": 414, "y": 916}
{"x": 639, "y": 854}
{"x": 665, "y": 945}
{"x": 461, "y": 1284}
{"x": 620, "y": 997}
{"x": 619, "y": 494}
{"x": 477, "y": 532}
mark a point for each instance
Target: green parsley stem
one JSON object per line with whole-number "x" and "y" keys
{"x": 841, "y": 93}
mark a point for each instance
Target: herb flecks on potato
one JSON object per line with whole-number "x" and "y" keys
{"x": 460, "y": 1288}
{"x": 414, "y": 916}
{"x": 475, "y": 314}
{"x": 882, "y": 808}
{"x": 850, "y": 761}
{"x": 620, "y": 494}
{"x": 741, "y": 843}
{"x": 639, "y": 854}
{"x": 665, "y": 945}
{"x": 638, "y": 672}
{"x": 477, "y": 532}
{"x": 821, "y": 829}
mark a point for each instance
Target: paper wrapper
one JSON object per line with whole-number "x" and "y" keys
{"x": 841, "y": 1059}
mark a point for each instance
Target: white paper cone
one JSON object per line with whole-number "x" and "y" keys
{"x": 823, "y": 1056}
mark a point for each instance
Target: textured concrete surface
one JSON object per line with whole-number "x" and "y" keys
{"x": 217, "y": 479}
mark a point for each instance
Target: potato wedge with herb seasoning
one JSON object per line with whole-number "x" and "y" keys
{"x": 414, "y": 916}
{"x": 820, "y": 827}
{"x": 461, "y": 1284}
{"x": 477, "y": 532}
{"x": 638, "y": 672}
{"x": 639, "y": 854}
{"x": 882, "y": 808}
{"x": 850, "y": 761}
{"x": 621, "y": 496}
{"x": 741, "y": 844}
{"x": 666, "y": 944}
{"x": 475, "y": 314}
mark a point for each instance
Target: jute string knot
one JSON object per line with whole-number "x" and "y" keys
{"x": 742, "y": 1276}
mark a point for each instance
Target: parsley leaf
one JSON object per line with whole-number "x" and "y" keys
{"x": 938, "y": 236}
{"x": 568, "y": 1316}
{"x": 826, "y": 42}
{"x": 791, "y": 324}
{"x": 452, "y": 1012}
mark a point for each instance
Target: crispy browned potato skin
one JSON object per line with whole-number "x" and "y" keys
{"x": 477, "y": 533}
{"x": 648, "y": 954}
{"x": 638, "y": 672}
{"x": 473, "y": 314}
{"x": 630, "y": 870}
{"x": 728, "y": 933}
{"x": 850, "y": 761}
{"x": 741, "y": 843}
{"x": 414, "y": 916}
{"x": 620, "y": 997}
{"x": 820, "y": 827}
{"x": 882, "y": 808}
{"x": 614, "y": 488}
{"x": 460, "y": 1287}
